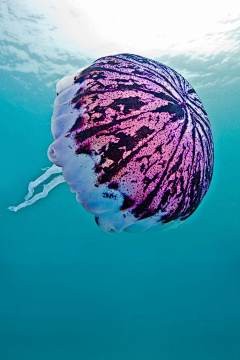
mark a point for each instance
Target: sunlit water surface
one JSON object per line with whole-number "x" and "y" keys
{"x": 67, "y": 289}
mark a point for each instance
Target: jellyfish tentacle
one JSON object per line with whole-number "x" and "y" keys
{"x": 46, "y": 188}
{"x": 33, "y": 184}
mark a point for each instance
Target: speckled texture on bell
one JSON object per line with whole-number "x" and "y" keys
{"x": 134, "y": 142}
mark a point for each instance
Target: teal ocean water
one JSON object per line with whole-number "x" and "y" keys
{"x": 70, "y": 291}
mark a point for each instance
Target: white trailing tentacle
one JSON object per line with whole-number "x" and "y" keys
{"x": 29, "y": 198}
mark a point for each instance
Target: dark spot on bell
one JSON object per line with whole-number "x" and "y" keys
{"x": 97, "y": 169}
{"x": 83, "y": 149}
{"x": 113, "y": 185}
{"x": 191, "y": 91}
{"x": 127, "y": 203}
{"x": 78, "y": 123}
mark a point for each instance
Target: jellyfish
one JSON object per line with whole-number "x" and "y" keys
{"x": 133, "y": 141}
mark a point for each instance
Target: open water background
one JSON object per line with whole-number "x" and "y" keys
{"x": 70, "y": 291}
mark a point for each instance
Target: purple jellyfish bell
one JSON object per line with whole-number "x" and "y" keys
{"x": 133, "y": 141}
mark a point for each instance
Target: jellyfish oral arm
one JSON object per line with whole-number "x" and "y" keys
{"x": 29, "y": 198}
{"x": 33, "y": 184}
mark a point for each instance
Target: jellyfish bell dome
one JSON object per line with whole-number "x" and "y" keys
{"x": 133, "y": 141}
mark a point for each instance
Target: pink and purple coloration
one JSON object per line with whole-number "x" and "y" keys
{"x": 133, "y": 141}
